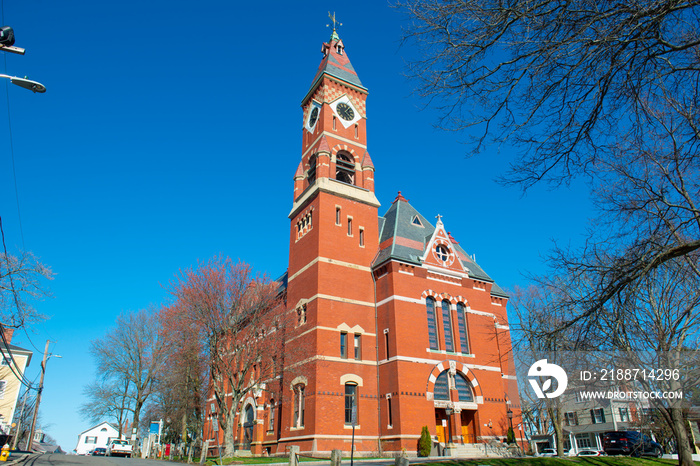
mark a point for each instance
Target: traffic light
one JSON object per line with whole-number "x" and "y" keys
{"x": 7, "y": 36}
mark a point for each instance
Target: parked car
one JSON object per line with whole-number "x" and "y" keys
{"x": 119, "y": 448}
{"x": 548, "y": 452}
{"x": 590, "y": 453}
{"x": 99, "y": 451}
{"x": 629, "y": 442}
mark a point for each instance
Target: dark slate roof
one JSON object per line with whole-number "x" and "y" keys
{"x": 336, "y": 65}
{"x": 398, "y": 222}
{"x": 282, "y": 282}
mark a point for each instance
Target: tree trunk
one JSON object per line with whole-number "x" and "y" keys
{"x": 230, "y": 433}
{"x": 183, "y": 434}
{"x": 135, "y": 425}
{"x": 555, "y": 416}
{"x": 685, "y": 454}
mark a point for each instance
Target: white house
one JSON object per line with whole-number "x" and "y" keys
{"x": 98, "y": 436}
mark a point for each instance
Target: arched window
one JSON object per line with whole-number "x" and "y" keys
{"x": 312, "y": 170}
{"x": 447, "y": 325}
{"x": 271, "y": 418}
{"x": 432, "y": 327}
{"x": 248, "y": 425}
{"x": 350, "y": 403}
{"x": 299, "y": 401}
{"x": 462, "y": 323}
{"x": 442, "y": 387}
{"x": 464, "y": 388}
{"x": 344, "y": 168}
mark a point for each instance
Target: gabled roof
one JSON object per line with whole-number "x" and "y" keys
{"x": 336, "y": 64}
{"x": 404, "y": 235}
{"x": 99, "y": 425}
{"x": 16, "y": 350}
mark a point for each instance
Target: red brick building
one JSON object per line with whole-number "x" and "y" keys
{"x": 396, "y": 327}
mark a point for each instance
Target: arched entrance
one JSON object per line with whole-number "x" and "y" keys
{"x": 456, "y": 419}
{"x": 248, "y": 424}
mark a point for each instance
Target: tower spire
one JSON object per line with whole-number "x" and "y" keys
{"x": 336, "y": 24}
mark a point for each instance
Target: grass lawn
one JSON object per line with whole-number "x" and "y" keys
{"x": 260, "y": 460}
{"x": 590, "y": 461}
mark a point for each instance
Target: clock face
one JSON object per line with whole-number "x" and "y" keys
{"x": 313, "y": 117}
{"x": 345, "y": 111}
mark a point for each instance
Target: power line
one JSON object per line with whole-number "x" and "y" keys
{"x": 12, "y": 145}
{"x": 22, "y": 379}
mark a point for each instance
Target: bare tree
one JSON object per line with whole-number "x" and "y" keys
{"x": 563, "y": 79}
{"x": 664, "y": 306}
{"x": 109, "y": 398}
{"x": 233, "y": 311}
{"x": 540, "y": 309}
{"x": 132, "y": 355}
{"x": 20, "y": 282}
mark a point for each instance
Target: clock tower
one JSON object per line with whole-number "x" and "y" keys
{"x": 330, "y": 367}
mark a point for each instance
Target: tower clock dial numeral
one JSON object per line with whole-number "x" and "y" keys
{"x": 345, "y": 111}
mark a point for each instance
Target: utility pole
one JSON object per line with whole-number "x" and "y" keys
{"x": 18, "y": 428}
{"x": 30, "y": 441}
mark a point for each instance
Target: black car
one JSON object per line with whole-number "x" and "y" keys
{"x": 99, "y": 451}
{"x": 629, "y": 442}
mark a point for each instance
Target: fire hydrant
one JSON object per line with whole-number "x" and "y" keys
{"x": 5, "y": 452}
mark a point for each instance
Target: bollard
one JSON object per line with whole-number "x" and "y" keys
{"x": 294, "y": 455}
{"x": 401, "y": 460}
{"x": 336, "y": 456}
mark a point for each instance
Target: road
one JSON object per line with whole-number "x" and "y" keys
{"x": 75, "y": 460}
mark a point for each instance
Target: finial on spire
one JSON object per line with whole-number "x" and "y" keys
{"x": 439, "y": 219}
{"x": 336, "y": 24}
{"x": 400, "y": 197}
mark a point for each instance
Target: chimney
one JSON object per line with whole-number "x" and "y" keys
{"x": 8, "y": 334}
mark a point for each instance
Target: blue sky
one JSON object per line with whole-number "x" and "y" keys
{"x": 170, "y": 132}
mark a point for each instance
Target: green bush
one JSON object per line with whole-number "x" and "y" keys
{"x": 425, "y": 443}
{"x": 511, "y": 436}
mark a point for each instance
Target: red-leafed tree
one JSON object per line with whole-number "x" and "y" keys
{"x": 182, "y": 387}
{"x": 236, "y": 317}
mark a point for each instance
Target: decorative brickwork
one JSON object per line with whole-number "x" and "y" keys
{"x": 389, "y": 314}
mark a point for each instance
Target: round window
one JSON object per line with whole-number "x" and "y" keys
{"x": 442, "y": 252}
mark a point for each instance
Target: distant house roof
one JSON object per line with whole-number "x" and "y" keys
{"x": 13, "y": 349}
{"x": 99, "y": 425}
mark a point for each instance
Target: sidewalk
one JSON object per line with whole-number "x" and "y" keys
{"x": 19, "y": 458}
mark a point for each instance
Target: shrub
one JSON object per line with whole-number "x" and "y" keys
{"x": 425, "y": 443}
{"x": 511, "y": 436}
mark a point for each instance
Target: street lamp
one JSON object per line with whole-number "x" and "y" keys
{"x": 7, "y": 42}
{"x": 25, "y": 83}
{"x": 30, "y": 441}
{"x": 509, "y": 413}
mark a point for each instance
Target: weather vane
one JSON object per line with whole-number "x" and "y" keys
{"x": 335, "y": 23}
